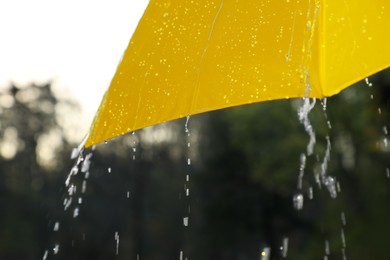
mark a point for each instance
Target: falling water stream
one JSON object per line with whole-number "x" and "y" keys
{"x": 321, "y": 176}
{"x": 308, "y": 172}
{"x": 186, "y": 218}
{"x": 384, "y": 143}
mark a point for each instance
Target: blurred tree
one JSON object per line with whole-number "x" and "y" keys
{"x": 250, "y": 171}
{"x": 32, "y": 148}
{"x": 131, "y": 196}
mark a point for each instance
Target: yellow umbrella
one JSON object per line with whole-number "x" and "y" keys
{"x": 193, "y": 56}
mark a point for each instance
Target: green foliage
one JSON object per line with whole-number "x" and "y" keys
{"x": 245, "y": 163}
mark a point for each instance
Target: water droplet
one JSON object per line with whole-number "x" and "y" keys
{"x": 116, "y": 236}
{"x": 187, "y": 192}
{"x": 188, "y": 161}
{"x": 303, "y": 115}
{"x": 301, "y": 170}
{"x": 338, "y": 187}
{"x": 298, "y": 201}
{"x": 187, "y": 178}
{"x": 181, "y": 255}
{"x": 56, "y": 249}
{"x": 67, "y": 203}
{"x": 388, "y": 172}
{"x": 71, "y": 190}
{"x": 323, "y": 102}
{"x": 75, "y": 212}
{"x": 265, "y": 253}
{"x": 80, "y": 200}
{"x": 109, "y": 169}
{"x": 74, "y": 154}
{"x": 128, "y": 194}
{"x": 330, "y": 184}
{"x": 45, "y": 255}
{"x": 343, "y": 253}
{"x": 310, "y": 193}
{"x": 284, "y": 247}
{"x": 86, "y": 163}
{"x": 385, "y": 130}
{"x": 343, "y": 219}
{"x": 186, "y": 124}
{"x": 342, "y": 235}
{"x": 56, "y": 226}
{"x": 185, "y": 221}
{"x": 84, "y": 187}
{"x": 329, "y": 124}
{"x": 369, "y": 84}
{"x": 327, "y": 248}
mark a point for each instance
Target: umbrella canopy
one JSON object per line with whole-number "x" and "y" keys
{"x": 188, "y": 57}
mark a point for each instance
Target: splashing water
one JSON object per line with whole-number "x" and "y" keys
{"x": 45, "y": 255}
{"x": 134, "y": 145}
{"x": 116, "y": 237}
{"x": 385, "y": 141}
{"x": 342, "y": 234}
{"x": 324, "y": 105}
{"x": 76, "y": 212}
{"x": 265, "y": 253}
{"x": 84, "y": 186}
{"x": 303, "y": 115}
{"x": 343, "y": 219}
{"x": 301, "y": 170}
{"x": 310, "y": 193}
{"x": 369, "y": 84}
{"x": 298, "y": 201}
{"x": 56, "y": 226}
{"x": 327, "y": 249}
{"x": 56, "y": 248}
{"x": 186, "y": 184}
{"x": 330, "y": 184}
{"x": 82, "y": 164}
{"x": 284, "y": 247}
{"x": 185, "y": 221}
{"x": 86, "y": 163}
{"x": 186, "y": 124}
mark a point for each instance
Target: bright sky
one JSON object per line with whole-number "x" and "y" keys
{"x": 78, "y": 43}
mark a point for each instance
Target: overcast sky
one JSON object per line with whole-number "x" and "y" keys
{"x": 78, "y": 43}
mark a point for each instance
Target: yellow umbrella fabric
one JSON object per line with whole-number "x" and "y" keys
{"x": 192, "y": 56}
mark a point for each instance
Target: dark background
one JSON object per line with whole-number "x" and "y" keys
{"x": 242, "y": 178}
